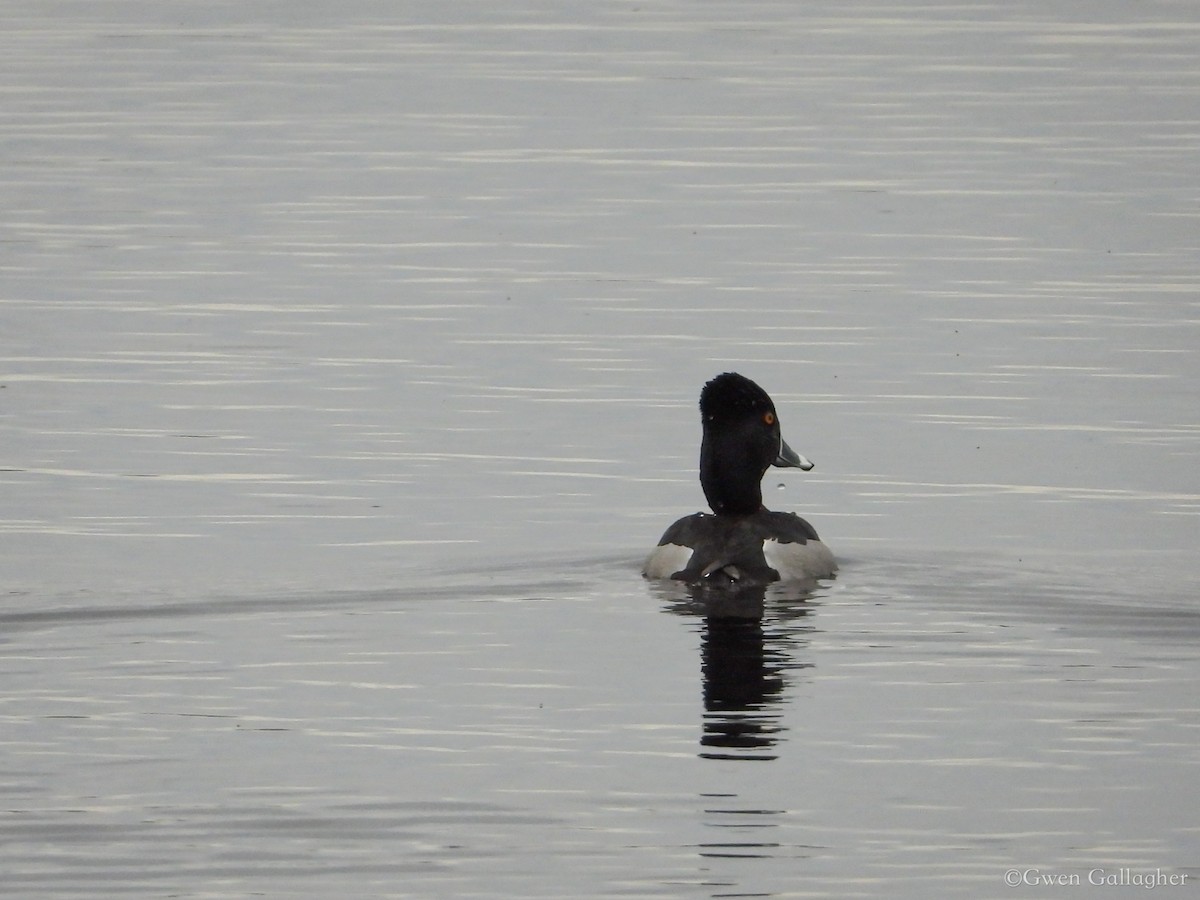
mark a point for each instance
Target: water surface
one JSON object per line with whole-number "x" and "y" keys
{"x": 349, "y": 358}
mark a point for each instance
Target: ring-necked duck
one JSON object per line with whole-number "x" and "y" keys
{"x": 744, "y": 542}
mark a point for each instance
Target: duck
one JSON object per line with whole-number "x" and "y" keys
{"x": 741, "y": 542}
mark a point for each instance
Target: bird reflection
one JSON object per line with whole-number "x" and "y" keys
{"x": 743, "y": 662}
{"x": 742, "y": 682}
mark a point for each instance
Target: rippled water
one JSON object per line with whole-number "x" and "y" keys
{"x": 348, "y": 365}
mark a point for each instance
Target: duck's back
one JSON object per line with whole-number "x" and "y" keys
{"x": 755, "y": 549}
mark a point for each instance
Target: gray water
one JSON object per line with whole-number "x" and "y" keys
{"x": 348, "y": 366}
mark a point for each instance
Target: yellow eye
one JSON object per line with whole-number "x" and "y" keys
{"x": 769, "y": 418}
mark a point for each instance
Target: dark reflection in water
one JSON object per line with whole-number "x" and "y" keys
{"x": 749, "y": 639}
{"x": 743, "y": 825}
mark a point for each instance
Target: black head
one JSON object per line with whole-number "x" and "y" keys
{"x": 741, "y": 440}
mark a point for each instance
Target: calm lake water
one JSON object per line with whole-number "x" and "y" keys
{"x": 349, "y": 356}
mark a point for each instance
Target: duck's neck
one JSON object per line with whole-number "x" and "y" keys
{"x": 732, "y": 481}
